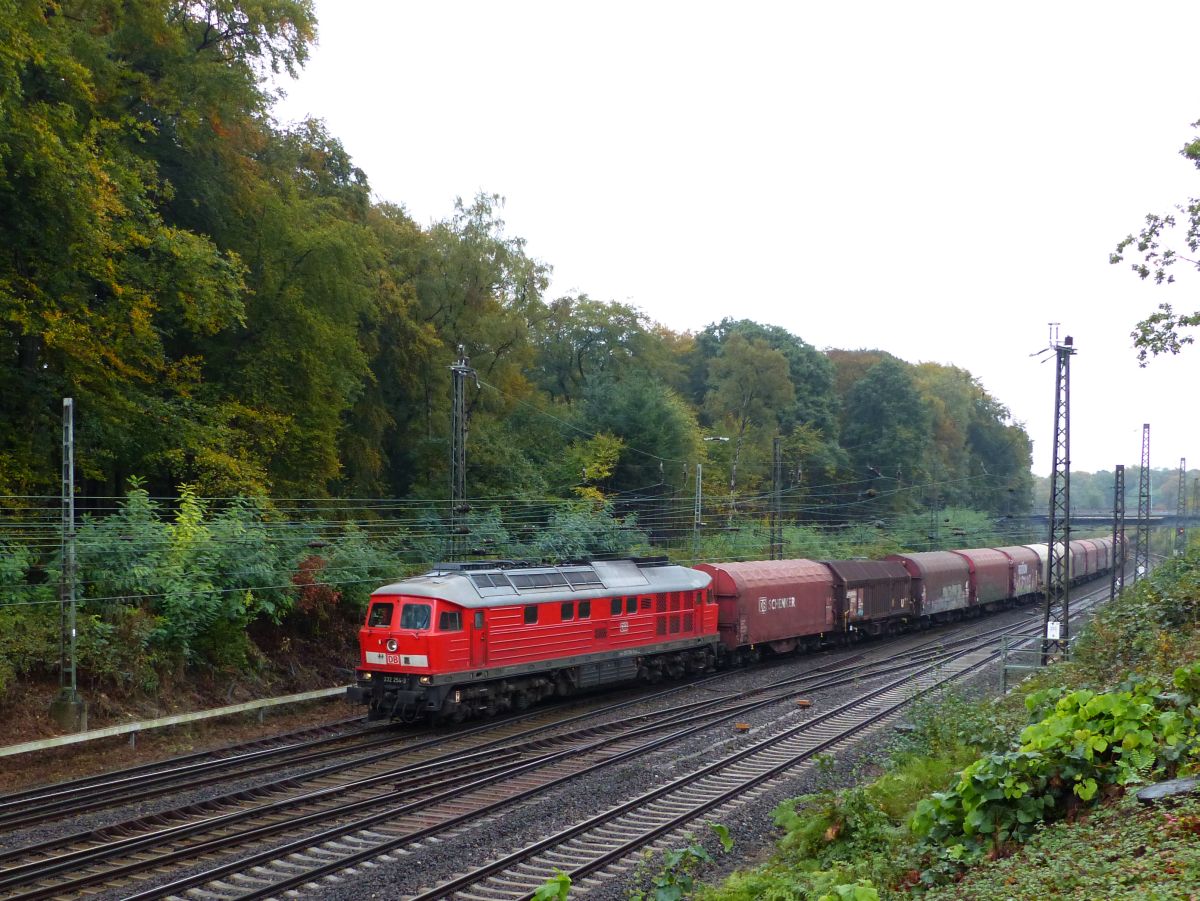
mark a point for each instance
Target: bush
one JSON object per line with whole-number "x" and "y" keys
{"x": 1080, "y": 742}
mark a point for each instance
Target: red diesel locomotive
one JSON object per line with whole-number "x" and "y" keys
{"x": 479, "y": 638}
{"x": 476, "y": 638}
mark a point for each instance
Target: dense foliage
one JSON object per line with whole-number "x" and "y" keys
{"x": 193, "y": 585}
{"x": 247, "y": 332}
{"x": 232, "y": 310}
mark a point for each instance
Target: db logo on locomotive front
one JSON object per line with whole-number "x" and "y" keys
{"x": 767, "y": 604}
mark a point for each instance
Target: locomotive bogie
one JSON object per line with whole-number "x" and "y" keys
{"x": 457, "y": 696}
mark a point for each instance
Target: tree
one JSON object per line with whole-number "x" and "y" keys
{"x": 887, "y": 431}
{"x": 95, "y": 281}
{"x": 578, "y": 338}
{"x": 658, "y": 430}
{"x": 748, "y": 383}
{"x": 979, "y": 457}
{"x": 1160, "y": 332}
{"x": 809, "y": 371}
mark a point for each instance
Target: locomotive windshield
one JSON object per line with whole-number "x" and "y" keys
{"x": 381, "y": 615}
{"x": 415, "y": 616}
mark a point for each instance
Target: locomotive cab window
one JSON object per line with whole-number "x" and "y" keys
{"x": 531, "y": 613}
{"x": 616, "y": 606}
{"x": 450, "y": 621}
{"x": 585, "y": 609}
{"x": 478, "y": 619}
{"x": 568, "y": 611}
{"x": 415, "y": 616}
{"x": 381, "y": 615}
{"x": 630, "y": 605}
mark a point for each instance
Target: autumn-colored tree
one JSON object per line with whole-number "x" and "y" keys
{"x": 748, "y": 385}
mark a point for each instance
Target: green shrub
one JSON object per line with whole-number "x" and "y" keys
{"x": 1083, "y": 742}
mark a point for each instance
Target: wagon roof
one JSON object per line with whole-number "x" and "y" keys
{"x": 758, "y": 576}
{"x": 929, "y": 563}
{"x": 854, "y": 572}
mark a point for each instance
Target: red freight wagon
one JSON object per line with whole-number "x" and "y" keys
{"x": 1096, "y": 556}
{"x": 1083, "y": 560}
{"x": 871, "y": 595}
{"x": 941, "y": 581}
{"x": 990, "y": 577}
{"x": 1026, "y": 570}
{"x": 780, "y": 603}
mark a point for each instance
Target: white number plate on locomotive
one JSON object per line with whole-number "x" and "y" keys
{"x": 397, "y": 659}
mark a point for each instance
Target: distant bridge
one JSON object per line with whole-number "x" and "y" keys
{"x": 1097, "y": 520}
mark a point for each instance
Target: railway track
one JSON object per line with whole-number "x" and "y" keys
{"x": 439, "y": 793}
{"x": 607, "y": 846}
{"x": 284, "y": 837}
{"x": 347, "y": 750}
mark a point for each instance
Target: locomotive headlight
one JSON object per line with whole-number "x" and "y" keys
{"x": 424, "y": 680}
{"x": 392, "y": 644}
{"x": 366, "y": 677}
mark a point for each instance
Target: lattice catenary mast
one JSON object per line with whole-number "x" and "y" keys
{"x": 1117, "y": 579}
{"x": 1141, "y": 544}
{"x": 776, "y": 518}
{"x": 1181, "y": 509}
{"x": 1056, "y": 618}
{"x": 458, "y": 449}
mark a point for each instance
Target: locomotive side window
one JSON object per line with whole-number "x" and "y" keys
{"x": 381, "y": 615}
{"x": 585, "y": 609}
{"x": 531, "y": 613}
{"x": 616, "y": 606}
{"x": 415, "y": 616}
{"x": 450, "y": 621}
{"x": 479, "y": 619}
{"x": 568, "y": 611}
{"x": 630, "y": 605}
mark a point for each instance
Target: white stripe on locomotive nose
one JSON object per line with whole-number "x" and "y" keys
{"x": 407, "y": 660}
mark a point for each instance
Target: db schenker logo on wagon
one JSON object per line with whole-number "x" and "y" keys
{"x": 766, "y": 605}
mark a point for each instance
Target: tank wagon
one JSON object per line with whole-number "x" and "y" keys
{"x": 470, "y": 639}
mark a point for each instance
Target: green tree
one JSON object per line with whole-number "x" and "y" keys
{"x": 887, "y": 431}
{"x": 1161, "y": 331}
{"x": 748, "y": 384}
{"x": 657, "y": 428}
{"x": 578, "y": 338}
{"x": 95, "y": 281}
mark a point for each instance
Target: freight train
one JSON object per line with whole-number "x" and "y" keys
{"x": 479, "y": 638}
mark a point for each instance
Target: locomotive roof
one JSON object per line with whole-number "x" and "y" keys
{"x": 472, "y": 586}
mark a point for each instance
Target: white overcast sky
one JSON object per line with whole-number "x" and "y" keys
{"x": 938, "y": 180}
